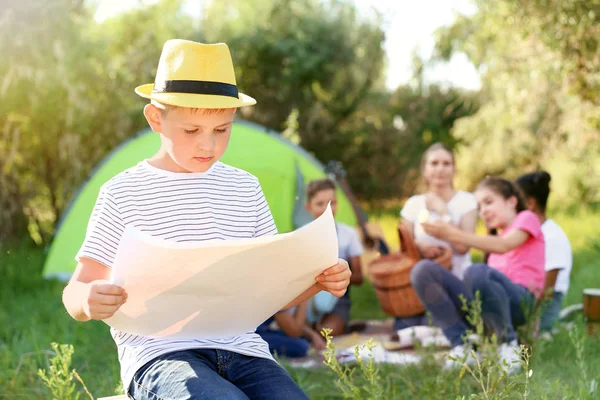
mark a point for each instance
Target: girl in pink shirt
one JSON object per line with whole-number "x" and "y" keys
{"x": 508, "y": 283}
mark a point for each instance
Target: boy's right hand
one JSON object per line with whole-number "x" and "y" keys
{"x": 103, "y": 299}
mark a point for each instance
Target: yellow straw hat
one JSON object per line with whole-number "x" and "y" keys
{"x": 195, "y": 75}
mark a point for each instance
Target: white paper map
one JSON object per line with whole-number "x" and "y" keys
{"x": 216, "y": 288}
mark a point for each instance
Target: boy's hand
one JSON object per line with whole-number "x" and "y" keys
{"x": 103, "y": 300}
{"x": 335, "y": 279}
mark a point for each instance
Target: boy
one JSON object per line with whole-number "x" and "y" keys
{"x": 319, "y": 193}
{"x": 183, "y": 193}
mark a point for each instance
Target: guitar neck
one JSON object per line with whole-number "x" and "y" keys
{"x": 337, "y": 170}
{"x": 362, "y": 222}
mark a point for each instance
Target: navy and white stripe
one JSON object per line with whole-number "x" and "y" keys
{"x": 222, "y": 203}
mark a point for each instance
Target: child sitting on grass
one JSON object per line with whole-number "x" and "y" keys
{"x": 508, "y": 284}
{"x": 559, "y": 256}
{"x": 184, "y": 193}
{"x": 319, "y": 194}
{"x": 288, "y": 335}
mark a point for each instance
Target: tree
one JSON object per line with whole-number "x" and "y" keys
{"x": 66, "y": 93}
{"x": 66, "y": 99}
{"x": 324, "y": 63}
{"x": 391, "y": 132}
{"x": 316, "y": 57}
{"x": 572, "y": 28}
{"x": 531, "y": 116}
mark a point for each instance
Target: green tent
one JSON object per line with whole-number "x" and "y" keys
{"x": 282, "y": 168}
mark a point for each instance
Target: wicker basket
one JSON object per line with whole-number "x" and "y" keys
{"x": 390, "y": 275}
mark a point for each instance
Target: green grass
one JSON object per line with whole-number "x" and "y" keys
{"x": 556, "y": 374}
{"x": 32, "y": 317}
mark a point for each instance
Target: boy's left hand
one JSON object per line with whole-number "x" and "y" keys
{"x": 335, "y": 279}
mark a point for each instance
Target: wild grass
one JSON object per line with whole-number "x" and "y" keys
{"x": 32, "y": 317}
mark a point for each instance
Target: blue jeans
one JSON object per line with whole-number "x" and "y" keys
{"x": 551, "y": 311}
{"x": 440, "y": 292}
{"x": 284, "y": 345}
{"x": 212, "y": 374}
{"x": 503, "y": 303}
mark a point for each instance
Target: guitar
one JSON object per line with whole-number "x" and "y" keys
{"x": 336, "y": 171}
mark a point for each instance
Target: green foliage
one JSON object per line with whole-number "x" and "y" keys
{"x": 572, "y": 28}
{"x": 428, "y": 115}
{"x": 381, "y": 144}
{"x": 59, "y": 377}
{"x": 350, "y": 387}
{"x": 324, "y": 61}
{"x": 317, "y": 57}
{"x": 539, "y": 61}
{"x": 489, "y": 372}
{"x": 32, "y": 317}
{"x": 588, "y": 386}
{"x": 316, "y": 68}
{"x": 488, "y": 377}
{"x": 66, "y": 99}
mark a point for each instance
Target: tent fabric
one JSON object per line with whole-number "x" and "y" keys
{"x": 281, "y": 167}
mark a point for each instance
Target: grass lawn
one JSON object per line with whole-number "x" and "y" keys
{"x": 32, "y": 316}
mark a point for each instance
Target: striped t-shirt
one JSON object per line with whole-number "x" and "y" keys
{"x": 221, "y": 203}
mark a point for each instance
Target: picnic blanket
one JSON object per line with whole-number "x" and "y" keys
{"x": 392, "y": 347}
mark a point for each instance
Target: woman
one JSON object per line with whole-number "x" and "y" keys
{"x": 442, "y": 202}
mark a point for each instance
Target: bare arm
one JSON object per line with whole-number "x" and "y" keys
{"x": 334, "y": 279}
{"x": 550, "y": 282}
{"x": 491, "y": 244}
{"x": 467, "y": 224}
{"x": 307, "y": 294}
{"x": 356, "y": 267}
{"x": 89, "y": 295}
{"x": 408, "y": 225}
{"x": 488, "y": 244}
{"x": 292, "y": 325}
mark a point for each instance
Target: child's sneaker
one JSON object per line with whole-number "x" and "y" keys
{"x": 436, "y": 341}
{"x": 510, "y": 357}
{"x": 463, "y": 354}
{"x": 459, "y": 356}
